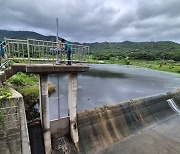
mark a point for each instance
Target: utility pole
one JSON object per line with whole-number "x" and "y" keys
{"x": 57, "y": 30}
{"x": 57, "y": 62}
{"x": 57, "y": 45}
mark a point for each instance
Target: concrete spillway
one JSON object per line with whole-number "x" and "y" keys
{"x": 147, "y": 125}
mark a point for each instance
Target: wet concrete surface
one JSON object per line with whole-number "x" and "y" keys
{"x": 160, "y": 138}
{"x": 146, "y": 125}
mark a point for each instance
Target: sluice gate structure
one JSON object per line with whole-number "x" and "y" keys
{"x": 144, "y": 125}
{"x": 43, "y": 58}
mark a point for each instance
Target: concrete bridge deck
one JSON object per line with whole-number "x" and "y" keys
{"x": 42, "y": 69}
{"x": 56, "y": 69}
{"x": 50, "y": 68}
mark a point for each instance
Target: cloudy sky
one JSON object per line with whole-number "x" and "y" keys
{"x": 95, "y": 20}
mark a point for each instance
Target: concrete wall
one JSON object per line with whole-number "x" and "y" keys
{"x": 101, "y": 127}
{"x": 14, "y": 138}
{"x": 60, "y": 127}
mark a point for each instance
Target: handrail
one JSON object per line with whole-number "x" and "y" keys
{"x": 40, "y": 50}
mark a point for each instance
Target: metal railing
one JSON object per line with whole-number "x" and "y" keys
{"x": 45, "y": 51}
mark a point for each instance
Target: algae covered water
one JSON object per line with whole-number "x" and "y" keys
{"x": 110, "y": 84}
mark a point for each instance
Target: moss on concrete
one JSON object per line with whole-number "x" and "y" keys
{"x": 5, "y": 93}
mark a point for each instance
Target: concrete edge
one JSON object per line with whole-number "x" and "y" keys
{"x": 135, "y": 100}
{"x": 23, "y": 122}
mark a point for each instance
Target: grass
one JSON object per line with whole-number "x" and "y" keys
{"x": 161, "y": 65}
{"x": 28, "y": 86}
{"x": 22, "y": 79}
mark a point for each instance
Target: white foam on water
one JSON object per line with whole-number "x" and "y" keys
{"x": 173, "y": 105}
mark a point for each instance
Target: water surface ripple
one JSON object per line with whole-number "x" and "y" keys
{"x": 110, "y": 84}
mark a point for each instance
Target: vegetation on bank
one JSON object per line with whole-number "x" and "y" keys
{"x": 162, "y": 55}
{"x": 161, "y": 65}
{"x": 4, "y": 94}
{"x": 28, "y": 86}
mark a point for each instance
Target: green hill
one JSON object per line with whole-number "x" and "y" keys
{"x": 135, "y": 50}
{"x": 25, "y": 35}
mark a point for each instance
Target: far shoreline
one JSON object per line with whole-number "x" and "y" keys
{"x": 160, "y": 65}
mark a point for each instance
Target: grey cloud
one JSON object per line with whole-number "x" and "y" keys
{"x": 95, "y": 20}
{"x": 152, "y": 8}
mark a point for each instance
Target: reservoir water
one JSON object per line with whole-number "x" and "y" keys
{"x": 110, "y": 84}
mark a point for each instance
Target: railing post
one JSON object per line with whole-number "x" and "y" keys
{"x": 88, "y": 53}
{"x": 29, "y": 62}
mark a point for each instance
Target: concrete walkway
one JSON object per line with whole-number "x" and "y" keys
{"x": 41, "y": 69}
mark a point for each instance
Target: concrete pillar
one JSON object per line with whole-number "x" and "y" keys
{"x": 44, "y": 105}
{"x": 72, "y": 106}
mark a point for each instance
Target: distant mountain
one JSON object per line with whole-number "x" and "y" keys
{"x": 25, "y": 35}
{"x": 135, "y": 46}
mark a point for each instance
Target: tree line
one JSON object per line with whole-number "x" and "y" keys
{"x": 165, "y": 50}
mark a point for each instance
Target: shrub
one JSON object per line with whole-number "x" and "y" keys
{"x": 23, "y": 79}
{"x": 27, "y": 85}
{"x": 31, "y": 99}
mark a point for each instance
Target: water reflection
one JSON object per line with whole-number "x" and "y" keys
{"x": 104, "y": 74}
